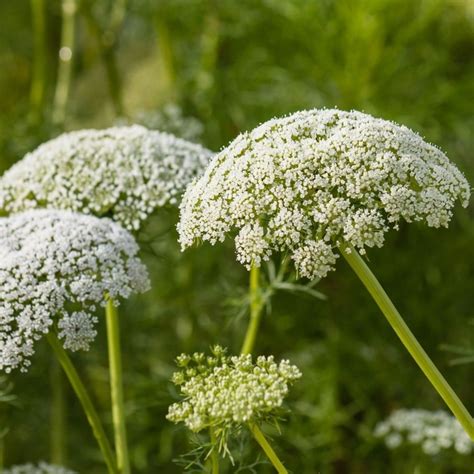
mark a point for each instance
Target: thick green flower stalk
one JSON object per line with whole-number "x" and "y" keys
{"x": 321, "y": 183}
{"x": 124, "y": 173}
{"x": 224, "y": 394}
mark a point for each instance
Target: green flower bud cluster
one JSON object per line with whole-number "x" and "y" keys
{"x": 223, "y": 392}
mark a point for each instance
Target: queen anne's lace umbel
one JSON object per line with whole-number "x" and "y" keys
{"x": 57, "y": 267}
{"x": 124, "y": 173}
{"x": 433, "y": 431}
{"x": 41, "y": 468}
{"x": 315, "y": 180}
{"x": 223, "y": 391}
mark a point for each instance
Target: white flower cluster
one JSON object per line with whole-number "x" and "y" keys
{"x": 41, "y": 468}
{"x": 223, "y": 391}
{"x": 433, "y": 431}
{"x": 316, "y": 180}
{"x": 57, "y": 266}
{"x": 124, "y": 173}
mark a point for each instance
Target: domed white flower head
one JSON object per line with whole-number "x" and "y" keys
{"x": 41, "y": 468}
{"x": 55, "y": 268}
{"x": 124, "y": 173}
{"x": 223, "y": 391}
{"x": 433, "y": 431}
{"x": 315, "y": 180}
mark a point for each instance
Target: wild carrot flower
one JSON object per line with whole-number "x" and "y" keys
{"x": 56, "y": 267}
{"x": 433, "y": 431}
{"x": 315, "y": 180}
{"x": 41, "y": 468}
{"x": 124, "y": 173}
{"x": 224, "y": 392}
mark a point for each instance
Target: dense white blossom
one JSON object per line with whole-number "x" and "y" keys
{"x": 40, "y": 468}
{"x": 223, "y": 391}
{"x": 317, "y": 180}
{"x": 433, "y": 431}
{"x": 124, "y": 173}
{"x": 56, "y": 268}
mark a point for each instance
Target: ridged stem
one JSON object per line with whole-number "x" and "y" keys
{"x": 265, "y": 445}
{"x": 116, "y": 386}
{"x": 86, "y": 402}
{"x": 408, "y": 339}
{"x": 256, "y": 306}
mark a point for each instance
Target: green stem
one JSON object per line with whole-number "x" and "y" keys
{"x": 107, "y": 42}
{"x": 3, "y": 434}
{"x": 409, "y": 340}
{"x": 256, "y": 306}
{"x": 206, "y": 74}
{"x": 166, "y": 60}
{"x": 38, "y": 79}
{"x": 265, "y": 445}
{"x": 214, "y": 453}
{"x": 66, "y": 53}
{"x": 58, "y": 416}
{"x": 117, "y": 15}
{"x": 2, "y": 452}
{"x": 116, "y": 386}
{"x": 86, "y": 402}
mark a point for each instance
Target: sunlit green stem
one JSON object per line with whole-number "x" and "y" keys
{"x": 38, "y": 79}
{"x": 66, "y": 54}
{"x": 86, "y": 402}
{"x": 57, "y": 416}
{"x": 116, "y": 387}
{"x": 214, "y": 453}
{"x": 409, "y": 340}
{"x": 265, "y": 445}
{"x": 256, "y": 306}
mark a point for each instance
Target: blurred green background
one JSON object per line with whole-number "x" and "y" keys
{"x": 206, "y": 70}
